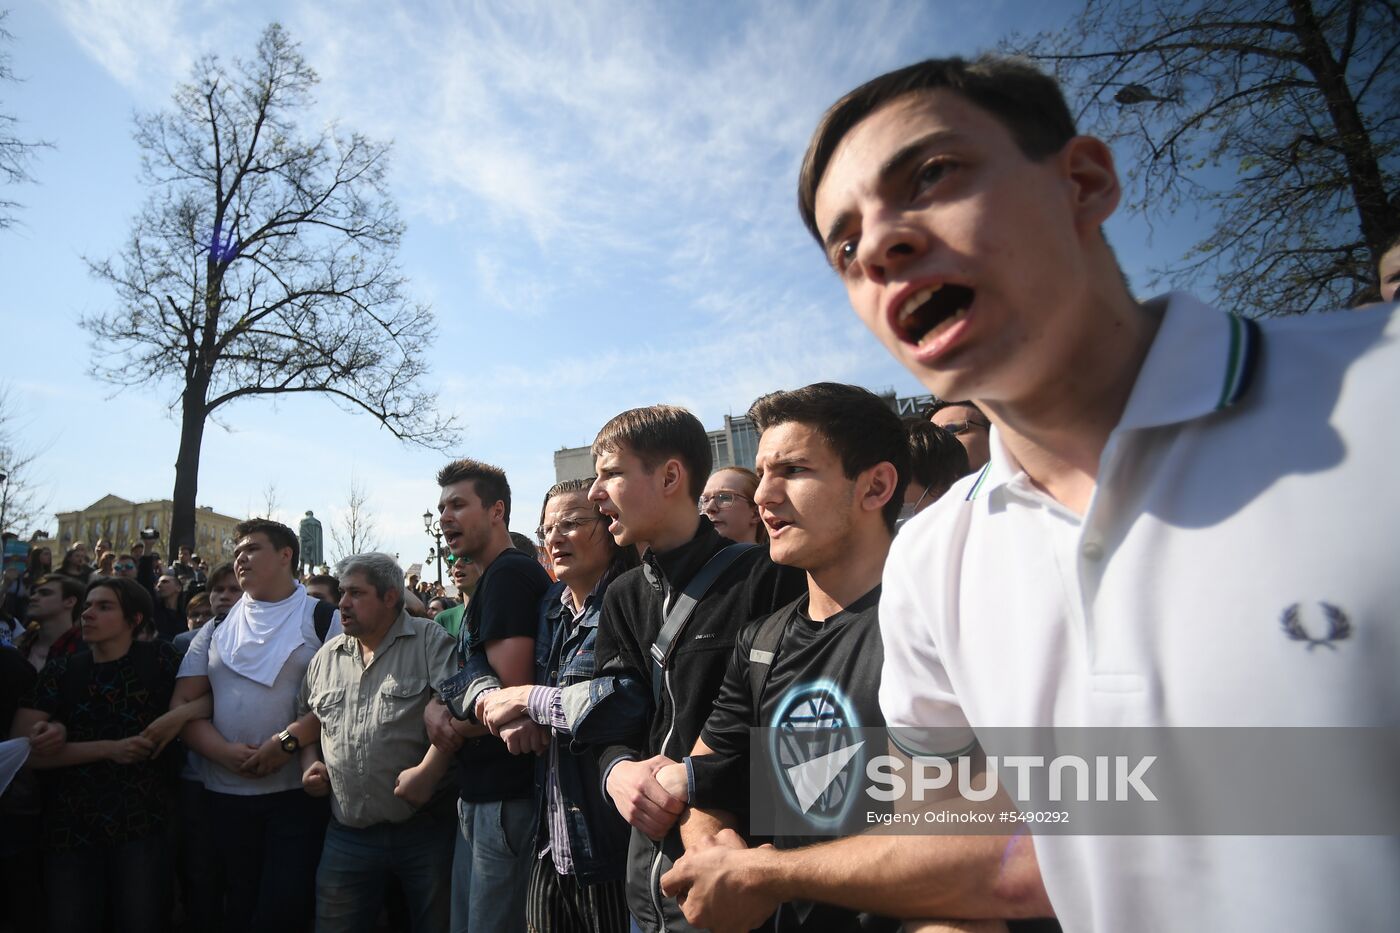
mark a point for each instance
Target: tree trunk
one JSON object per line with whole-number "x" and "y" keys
{"x": 192, "y": 416}
{"x": 1363, "y": 168}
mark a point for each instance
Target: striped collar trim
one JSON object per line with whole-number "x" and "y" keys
{"x": 1202, "y": 361}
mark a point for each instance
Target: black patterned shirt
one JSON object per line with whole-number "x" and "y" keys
{"x": 101, "y": 803}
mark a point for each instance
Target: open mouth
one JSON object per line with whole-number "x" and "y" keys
{"x": 924, "y": 315}
{"x": 775, "y": 525}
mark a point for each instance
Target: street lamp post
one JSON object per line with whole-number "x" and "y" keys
{"x": 434, "y": 528}
{"x": 4, "y": 500}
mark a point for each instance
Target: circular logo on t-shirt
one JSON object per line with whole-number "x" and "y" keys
{"x": 815, "y": 750}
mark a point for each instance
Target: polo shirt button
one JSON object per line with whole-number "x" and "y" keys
{"x": 1091, "y": 550}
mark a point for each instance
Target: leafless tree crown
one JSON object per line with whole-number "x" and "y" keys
{"x": 1274, "y": 119}
{"x": 263, "y": 262}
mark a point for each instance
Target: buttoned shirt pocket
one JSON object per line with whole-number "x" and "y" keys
{"x": 398, "y": 697}
{"x": 329, "y": 706}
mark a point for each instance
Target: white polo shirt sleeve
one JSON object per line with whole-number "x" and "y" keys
{"x": 920, "y": 706}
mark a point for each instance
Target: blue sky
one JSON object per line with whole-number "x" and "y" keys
{"x": 600, "y": 208}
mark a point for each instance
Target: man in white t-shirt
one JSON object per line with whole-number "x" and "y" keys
{"x": 266, "y": 831}
{"x": 1180, "y": 506}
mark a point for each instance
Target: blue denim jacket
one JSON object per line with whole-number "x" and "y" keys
{"x": 597, "y": 834}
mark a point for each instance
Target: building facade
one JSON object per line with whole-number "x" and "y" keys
{"x": 120, "y": 521}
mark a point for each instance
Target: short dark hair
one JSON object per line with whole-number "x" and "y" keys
{"x": 622, "y": 558}
{"x": 1026, "y": 101}
{"x": 523, "y": 544}
{"x": 858, "y": 424}
{"x": 657, "y": 433}
{"x": 133, "y": 599}
{"x": 488, "y": 482}
{"x": 198, "y": 599}
{"x": 68, "y": 587}
{"x": 219, "y": 572}
{"x": 937, "y": 459}
{"x": 325, "y": 579}
{"x": 279, "y": 534}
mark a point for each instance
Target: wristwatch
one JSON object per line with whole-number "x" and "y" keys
{"x": 290, "y": 743}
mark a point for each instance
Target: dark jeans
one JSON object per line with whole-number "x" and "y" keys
{"x": 268, "y": 847}
{"x": 201, "y": 883}
{"x": 130, "y": 881}
{"x": 355, "y": 863}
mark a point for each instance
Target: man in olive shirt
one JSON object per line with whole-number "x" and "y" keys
{"x": 369, "y": 687}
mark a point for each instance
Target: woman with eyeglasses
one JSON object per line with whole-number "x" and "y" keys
{"x": 728, "y": 503}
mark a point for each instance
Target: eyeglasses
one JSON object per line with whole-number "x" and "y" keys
{"x": 720, "y": 500}
{"x": 962, "y": 427}
{"x": 567, "y": 527}
{"x": 123, "y": 566}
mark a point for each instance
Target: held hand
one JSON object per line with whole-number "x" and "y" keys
{"x": 132, "y": 749}
{"x": 47, "y": 738}
{"x": 499, "y": 707}
{"x": 675, "y": 781}
{"x": 267, "y": 758}
{"x": 716, "y": 883}
{"x": 640, "y": 799}
{"x": 523, "y": 736}
{"x": 414, "y": 786}
{"x": 233, "y": 755}
{"x": 164, "y": 730}
{"x": 316, "y": 780}
{"x": 438, "y": 719}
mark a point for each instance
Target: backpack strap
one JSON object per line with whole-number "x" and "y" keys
{"x": 324, "y": 614}
{"x": 763, "y": 654}
{"x": 684, "y": 606}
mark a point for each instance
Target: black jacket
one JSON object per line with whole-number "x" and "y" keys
{"x": 633, "y": 610}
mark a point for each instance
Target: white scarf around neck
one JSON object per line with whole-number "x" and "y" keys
{"x": 257, "y": 638}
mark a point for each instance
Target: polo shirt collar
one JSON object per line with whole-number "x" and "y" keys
{"x": 1201, "y": 361}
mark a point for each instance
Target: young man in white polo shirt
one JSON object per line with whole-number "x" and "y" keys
{"x": 1136, "y": 552}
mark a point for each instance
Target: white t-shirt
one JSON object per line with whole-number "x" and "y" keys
{"x": 247, "y": 711}
{"x": 1162, "y": 606}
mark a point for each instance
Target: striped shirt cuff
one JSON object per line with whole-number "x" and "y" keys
{"x": 545, "y": 705}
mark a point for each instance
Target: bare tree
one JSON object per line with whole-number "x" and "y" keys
{"x": 353, "y": 531}
{"x": 16, "y": 153}
{"x": 1277, "y": 118}
{"x": 22, "y": 502}
{"x": 262, "y": 264}
{"x": 271, "y": 502}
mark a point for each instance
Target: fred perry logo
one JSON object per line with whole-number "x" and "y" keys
{"x": 1338, "y": 626}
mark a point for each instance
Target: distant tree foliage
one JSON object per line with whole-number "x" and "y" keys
{"x": 263, "y": 263}
{"x": 16, "y": 152}
{"x": 1279, "y": 119}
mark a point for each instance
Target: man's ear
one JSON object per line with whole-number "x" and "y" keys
{"x": 875, "y": 486}
{"x": 1087, "y": 164}
{"x": 674, "y": 479}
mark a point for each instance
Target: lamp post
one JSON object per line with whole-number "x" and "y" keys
{"x": 434, "y": 529}
{"x": 4, "y": 500}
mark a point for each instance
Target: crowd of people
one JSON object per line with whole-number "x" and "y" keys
{"x": 566, "y": 741}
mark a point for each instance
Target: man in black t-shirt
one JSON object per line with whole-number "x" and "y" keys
{"x": 492, "y": 861}
{"x": 833, "y": 462}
